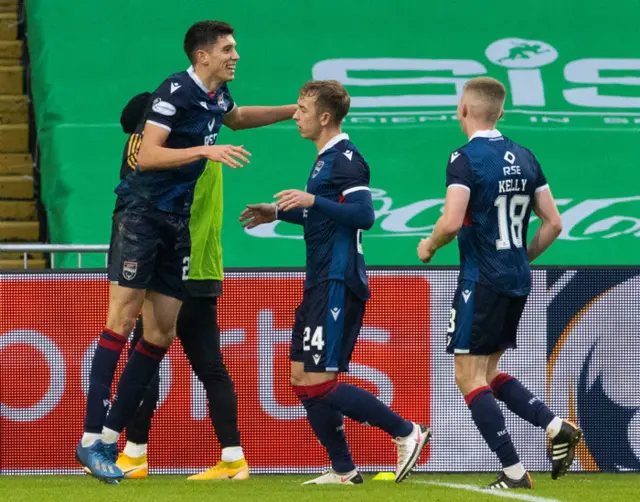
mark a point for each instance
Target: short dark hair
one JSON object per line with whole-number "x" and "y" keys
{"x": 331, "y": 96}
{"x": 204, "y": 33}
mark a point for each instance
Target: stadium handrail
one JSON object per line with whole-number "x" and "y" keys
{"x": 52, "y": 249}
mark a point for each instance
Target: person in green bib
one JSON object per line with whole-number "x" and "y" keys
{"x": 198, "y": 328}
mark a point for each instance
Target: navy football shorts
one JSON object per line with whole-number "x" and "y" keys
{"x": 483, "y": 321}
{"x": 149, "y": 249}
{"x": 326, "y": 327}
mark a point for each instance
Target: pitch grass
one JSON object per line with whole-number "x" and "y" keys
{"x": 575, "y": 487}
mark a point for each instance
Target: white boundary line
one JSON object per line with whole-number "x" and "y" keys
{"x": 497, "y": 493}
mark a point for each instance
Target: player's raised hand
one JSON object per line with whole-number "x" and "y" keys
{"x": 257, "y": 214}
{"x": 229, "y": 155}
{"x": 425, "y": 250}
{"x": 290, "y": 199}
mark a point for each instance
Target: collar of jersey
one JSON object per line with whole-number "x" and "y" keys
{"x": 196, "y": 79}
{"x": 493, "y": 133}
{"x": 333, "y": 142}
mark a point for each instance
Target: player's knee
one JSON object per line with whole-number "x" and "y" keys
{"x": 298, "y": 377}
{"x": 166, "y": 325}
{"x": 461, "y": 380}
{"x": 301, "y": 378}
{"x": 492, "y": 374}
{"x": 296, "y": 380}
{"x": 159, "y": 336}
{"x": 467, "y": 381}
{"x": 168, "y": 335}
{"x": 124, "y": 308}
{"x": 121, "y": 322}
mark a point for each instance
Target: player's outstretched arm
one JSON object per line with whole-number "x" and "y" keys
{"x": 550, "y": 223}
{"x": 153, "y": 155}
{"x": 258, "y": 214}
{"x": 295, "y": 216}
{"x": 448, "y": 225}
{"x": 248, "y": 117}
{"x": 355, "y": 212}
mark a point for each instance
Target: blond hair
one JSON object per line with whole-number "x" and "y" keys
{"x": 486, "y": 98}
{"x": 331, "y": 96}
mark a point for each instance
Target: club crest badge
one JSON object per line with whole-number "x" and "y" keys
{"x": 129, "y": 270}
{"x": 222, "y": 103}
{"x": 317, "y": 168}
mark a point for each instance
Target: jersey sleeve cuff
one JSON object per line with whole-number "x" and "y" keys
{"x": 542, "y": 188}
{"x": 158, "y": 124}
{"x": 459, "y": 185}
{"x": 355, "y": 189}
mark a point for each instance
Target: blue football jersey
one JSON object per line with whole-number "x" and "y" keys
{"x": 333, "y": 250}
{"x": 502, "y": 178}
{"x": 193, "y": 116}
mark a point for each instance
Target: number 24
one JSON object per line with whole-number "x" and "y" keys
{"x": 316, "y": 340}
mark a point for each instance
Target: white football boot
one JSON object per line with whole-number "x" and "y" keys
{"x": 331, "y": 477}
{"x": 409, "y": 449}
